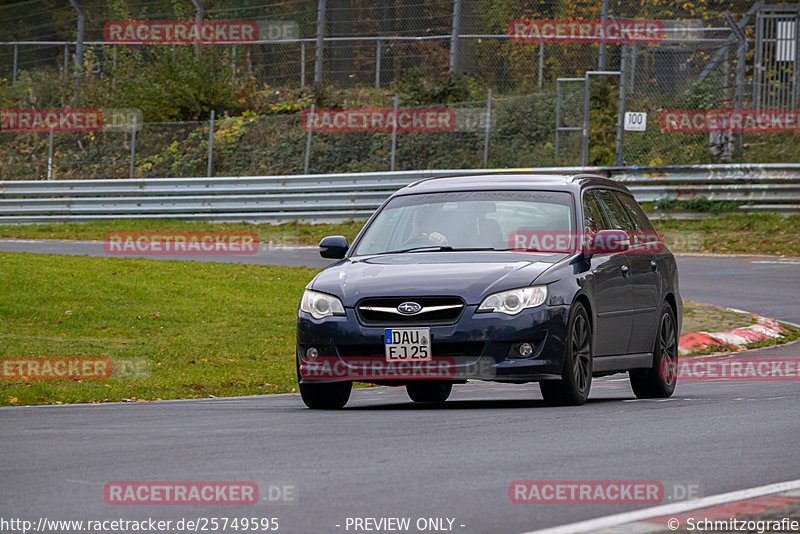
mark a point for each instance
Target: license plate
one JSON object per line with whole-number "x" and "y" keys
{"x": 408, "y": 344}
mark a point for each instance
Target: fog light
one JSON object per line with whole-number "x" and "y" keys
{"x": 525, "y": 350}
{"x": 312, "y": 353}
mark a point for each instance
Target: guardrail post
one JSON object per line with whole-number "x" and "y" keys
{"x": 488, "y": 127}
{"x": 394, "y": 133}
{"x": 133, "y": 146}
{"x": 50, "y": 157}
{"x": 308, "y": 139}
{"x": 210, "y": 144}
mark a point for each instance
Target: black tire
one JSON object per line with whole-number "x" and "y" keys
{"x": 659, "y": 381}
{"x": 576, "y": 375}
{"x": 429, "y": 392}
{"x": 324, "y": 395}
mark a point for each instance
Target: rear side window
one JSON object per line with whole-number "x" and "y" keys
{"x": 617, "y": 216}
{"x": 635, "y": 211}
{"x": 593, "y": 219}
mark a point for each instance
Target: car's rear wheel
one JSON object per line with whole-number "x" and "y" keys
{"x": 659, "y": 381}
{"x": 429, "y": 392}
{"x": 576, "y": 376}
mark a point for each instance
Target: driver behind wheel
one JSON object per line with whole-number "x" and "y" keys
{"x": 424, "y": 229}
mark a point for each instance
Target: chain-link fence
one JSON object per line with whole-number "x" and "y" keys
{"x": 558, "y": 98}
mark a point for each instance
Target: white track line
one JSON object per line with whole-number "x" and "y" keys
{"x": 593, "y": 525}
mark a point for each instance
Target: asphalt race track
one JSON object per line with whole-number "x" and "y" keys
{"x": 384, "y": 457}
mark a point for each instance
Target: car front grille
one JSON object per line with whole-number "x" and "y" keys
{"x": 435, "y": 311}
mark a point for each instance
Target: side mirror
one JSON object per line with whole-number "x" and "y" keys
{"x": 608, "y": 242}
{"x": 333, "y": 247}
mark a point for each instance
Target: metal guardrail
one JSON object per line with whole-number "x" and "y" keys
{"x": 338, "y": 197}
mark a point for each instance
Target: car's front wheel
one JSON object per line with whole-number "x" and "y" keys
{"x": 326, "y": 396}
{"x": 576, "y": 376}
{"x": 429, "y": 392}
{"x": 659, "y": 381}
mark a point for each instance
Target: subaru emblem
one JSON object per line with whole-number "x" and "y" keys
{"x": 409, "y": 308}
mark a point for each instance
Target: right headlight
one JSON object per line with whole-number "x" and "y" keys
{"x": 513, "y": 301}
{"x": 320, "y": 305}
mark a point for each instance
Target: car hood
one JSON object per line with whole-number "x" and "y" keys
{"x": 469, "y": 275}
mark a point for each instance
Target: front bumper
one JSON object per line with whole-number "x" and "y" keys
{"x": 478, "y": 346}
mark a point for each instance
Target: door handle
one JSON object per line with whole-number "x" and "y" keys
{"x": 624, "y": 270}
{"x": 653, "y": 265}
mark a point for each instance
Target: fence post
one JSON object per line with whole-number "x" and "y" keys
{"x": 488, "y": 128}
{"x": 454, "y": 38}
{"x": 623, "y": 76}
{"x": 378, "y": 64}
{"x": 133, "y": 146}
{"x": 601, "y": 55}
{"x": 14, "y": 74}
{"x": 558, "y": 116}
{"x": 78, "y": 46}
{"x": 114, "y": 67}
{"x": 233, "y": 61}
{"x": 738, "y": 95}
{"x": 541, "y": 63}
{"x": 198, "y": 17}
{"x": 210, "y": 145}
{"x": 585, "y": 142}
{"x": 50, "y": 157}
{"x": 394, "y": 133}
{"x": 308, "y": 139}
{"x": 320, "y": 43}
{"x": 302, "y": 64}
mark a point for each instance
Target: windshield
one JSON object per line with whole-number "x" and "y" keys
{"x": 482, "y": 220}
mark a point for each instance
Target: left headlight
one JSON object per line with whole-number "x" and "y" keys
{"x": 515, "y": 300}
{"x": 320, "y": 305}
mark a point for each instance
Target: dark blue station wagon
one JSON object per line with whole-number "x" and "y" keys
{"x": 508, "y": 277}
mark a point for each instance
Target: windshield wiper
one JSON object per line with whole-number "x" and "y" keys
{"x": 437, "y": 248}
